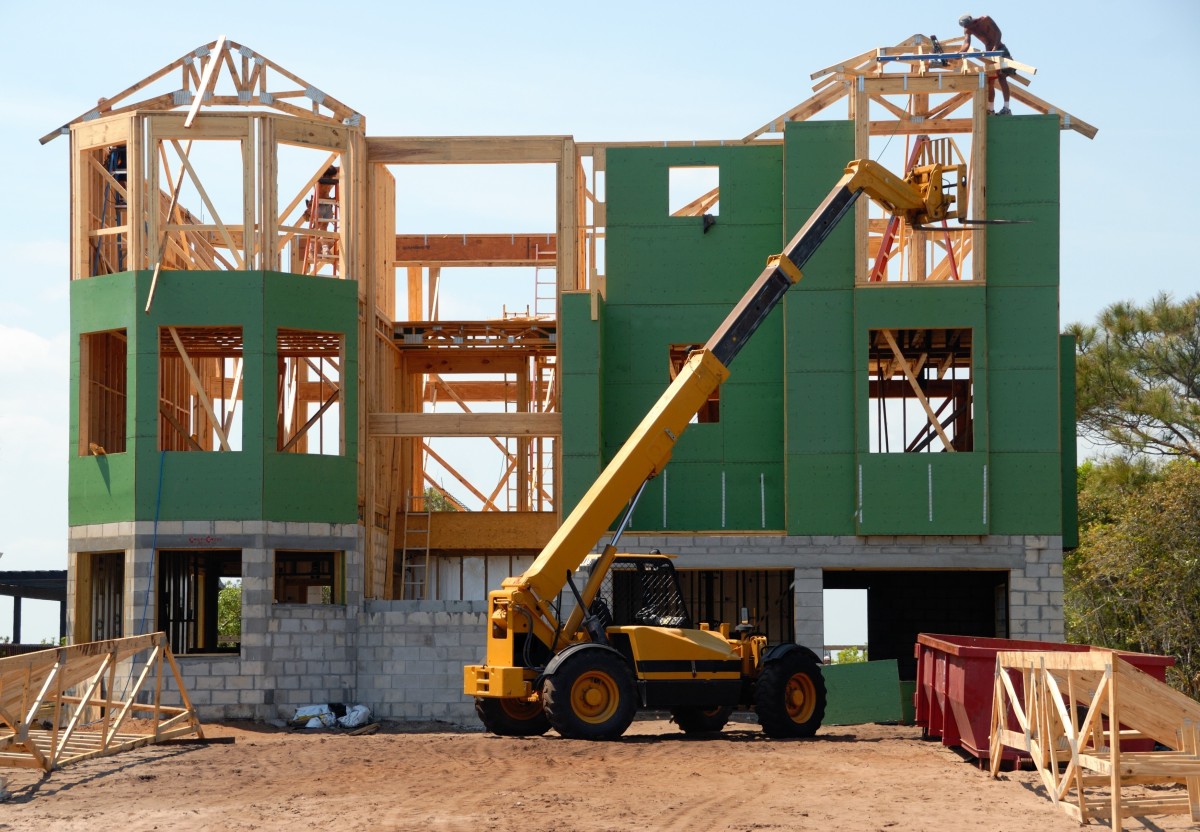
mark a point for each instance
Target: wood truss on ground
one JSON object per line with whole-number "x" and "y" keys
{"x": 67, "y": 704}
{"x": 225, "y": 161}
{"x": 1076, "y": 711}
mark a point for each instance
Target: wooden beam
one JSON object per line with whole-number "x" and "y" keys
{"x": 802, "y": 111}
{"x": 465, "y": 424}
{"x": 475, "y": 249}
{"x": 451, "y": 361}
{"x": 909, "y": 84}
{"x": 1068, "y": 121}
{"x": 464, "y": 150}
{"x": 475, "y": 390}
{"x": 472, "y": 532}
{"x": 978, "y": 208}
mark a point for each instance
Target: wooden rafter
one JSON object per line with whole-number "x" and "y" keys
{"x": 700, "y": 205}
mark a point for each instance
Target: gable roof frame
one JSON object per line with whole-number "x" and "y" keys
{"x": 250, "y": 79}
{"x": 922, "y": 57}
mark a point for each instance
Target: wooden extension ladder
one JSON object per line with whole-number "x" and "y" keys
{"x": 414, "y": 551}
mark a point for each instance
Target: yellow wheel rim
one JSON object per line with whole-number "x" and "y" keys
{"x": 800, "y": 697}
{"x": 520, "y": 710}
{"x": 594, "y": 697}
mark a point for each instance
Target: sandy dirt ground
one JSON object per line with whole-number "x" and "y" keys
{"x": 868, "y": 777}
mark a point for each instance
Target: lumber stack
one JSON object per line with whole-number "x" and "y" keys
{"x": 1075, "y": 710}
{"x": 67, "y": 704}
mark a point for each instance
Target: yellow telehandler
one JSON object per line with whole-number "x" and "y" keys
{"x": 628, "y": 641}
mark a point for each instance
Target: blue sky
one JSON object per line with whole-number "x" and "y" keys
{"x": 606, "y": 71}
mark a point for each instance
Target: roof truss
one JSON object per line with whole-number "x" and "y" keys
{"x": 222, "y": 73}
{"x": 919, "y": 65}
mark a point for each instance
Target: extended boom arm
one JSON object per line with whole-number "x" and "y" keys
{"x": 524, "y": 603}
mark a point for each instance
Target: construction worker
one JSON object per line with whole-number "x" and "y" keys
{"x": 988, "y": 33}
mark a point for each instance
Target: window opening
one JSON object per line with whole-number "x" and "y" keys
{"x": 202, "y": 207}
{"x": 694, "y": 191}
{"x": 200, "y": 600}
{"x": 921, "y": 395}
{"x": 901, "y": 254}
{"x": 108, "y": 227}
{"x": 309, "y": 578}
{"x": 309, "y": 379}
{"x": 199, "y": 388}
{"x": 100, "y": 608}
{"x": 711, "y": 409}
{"x": 310, "y": 195}
{"x": 845, "y": 625}
{"x": 103, "y": 392}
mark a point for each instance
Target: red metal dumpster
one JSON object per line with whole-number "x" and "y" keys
{"x": 955, "y": 677}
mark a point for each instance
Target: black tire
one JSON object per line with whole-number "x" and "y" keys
{"x": 696, "y": 720}
{"x": 790, "y": 696}
{"x": 591, "y": 696}
{"x": 512, "y": 717}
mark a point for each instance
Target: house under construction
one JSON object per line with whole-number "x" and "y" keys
{"x": 266, "y": 394}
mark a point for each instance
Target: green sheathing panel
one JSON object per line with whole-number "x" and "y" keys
{"x": 819, "y": 333}
{"x": 862, "y": 692}
{"x": 1026, "y": 437}
{"x": 1070, "y": 496}
{"x": 199, "y": 485}
{"x": 579, "y": 375}
{"x": 923, "y": 493}
{"x": 669, "y": 282}
{"x": 815, "y": 157}
{"x": 310, "y": 487}
{"x": 100, "y": 488}
{"x": 237, "y": 485}
{"x": 926, "y": 494}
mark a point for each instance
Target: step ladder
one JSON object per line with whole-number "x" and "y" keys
{"x": 414, "y": 551}
{"x": 323, "y": 214}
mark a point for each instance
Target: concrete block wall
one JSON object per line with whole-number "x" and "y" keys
{"x": 404, "y": 659}
{"x": 411, "y": 656}
{"x": 291, "y": 654}
{"x": 1036, "y": 595}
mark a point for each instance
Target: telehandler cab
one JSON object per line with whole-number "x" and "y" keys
{"x": 628, "y": 641}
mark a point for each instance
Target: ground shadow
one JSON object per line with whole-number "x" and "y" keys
{"x": 47, "y": 786}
